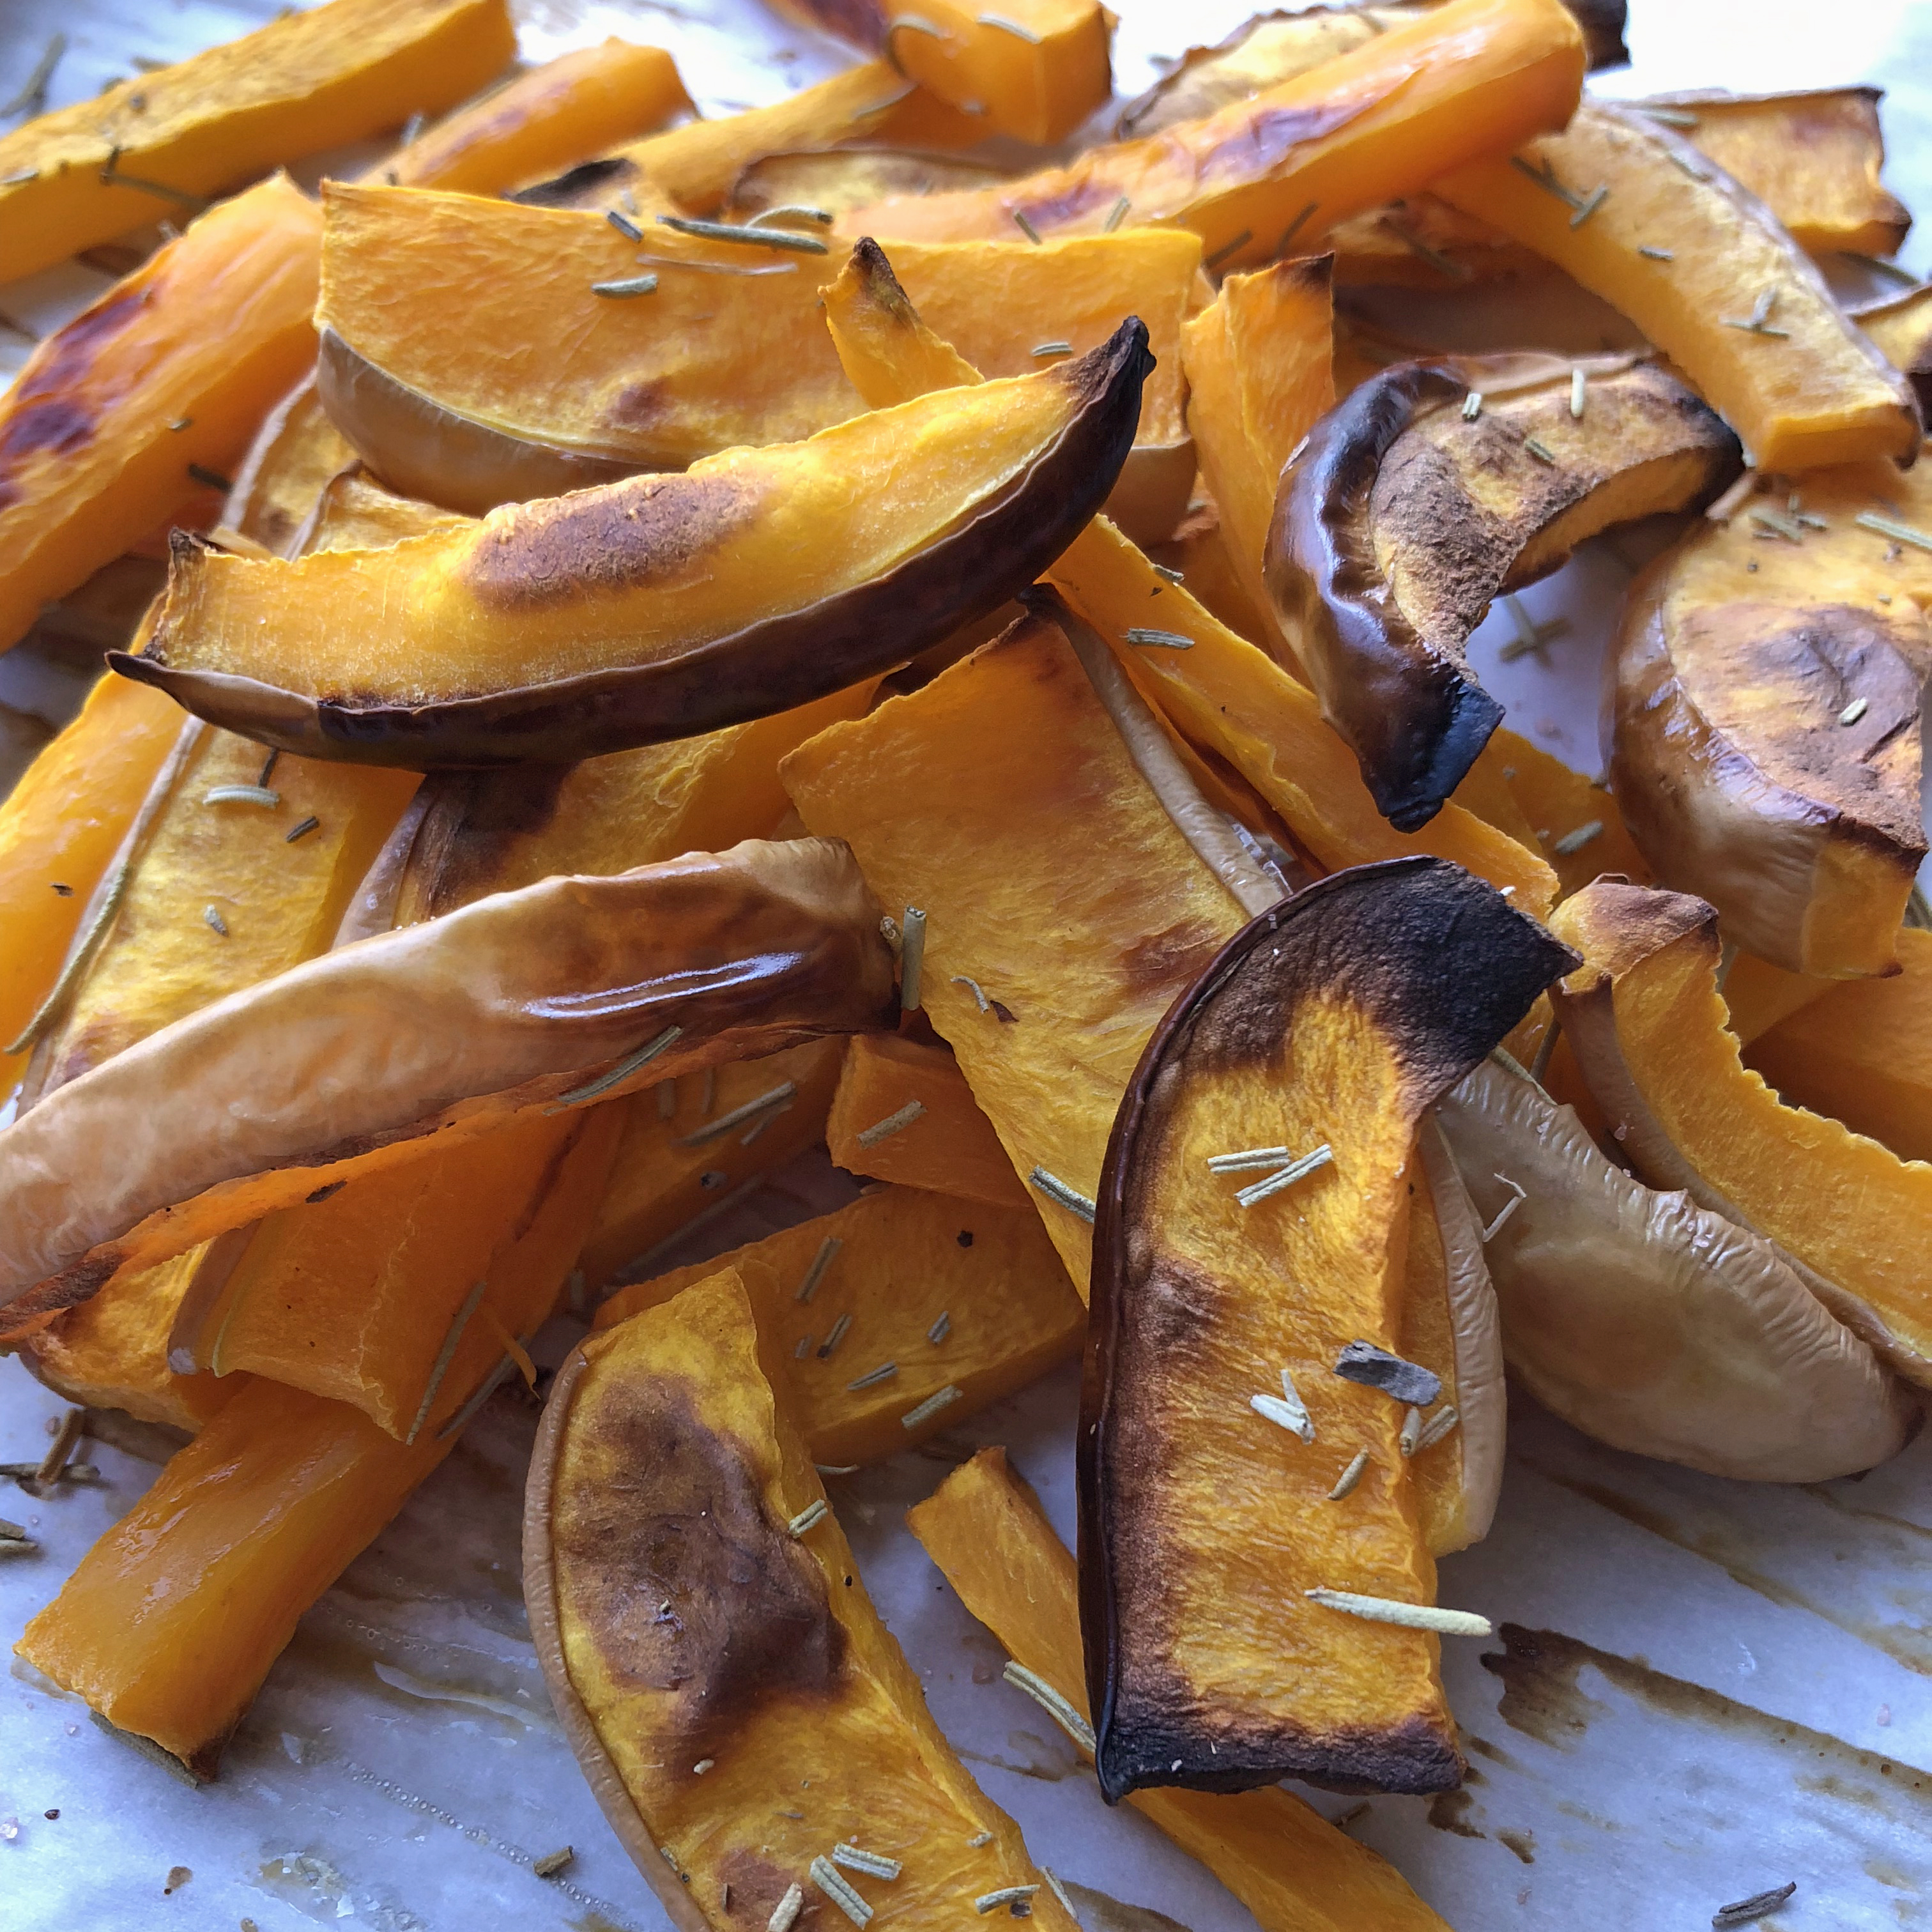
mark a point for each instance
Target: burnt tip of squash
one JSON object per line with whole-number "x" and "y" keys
{"x": 872, "y": 268}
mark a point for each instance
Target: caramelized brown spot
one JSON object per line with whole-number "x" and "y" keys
{"x": 684, "y": 1582}
{"x": 474, "y": 820}
{"x": 1168, "y": 961}
{"x": 1263, "y": 141}
{"x": 640, "y": 406}
{"x": 42, "y": 413}
{"x": 629, "y": 536}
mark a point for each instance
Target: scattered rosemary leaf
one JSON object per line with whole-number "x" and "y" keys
{"x": 32, "y": 97}
{"x": 871, "y": 1379}
{"x": 627, "y": 285}
{"x": 698, "y": 1770}
{"x": 1415, "y": 1616}
{"x": 301, "y": 831}
{"x": 1539, "y": 449}
{"x": 979, "y": 1839}
{"x": 1438, "y": 1426}
{"x": 1456, "y": 271}
{"x": 181, "y": 423}
{"x": 22, "y": 1545}
{"x": 1051, "y": 349}
{"x": 1054, "y": 1189}
{"x": 1545, "y": 178}
{"x": 941, "y": 1327}
{"x": 1519, "y": 1195}
{"x": 1854, "y": 711}
{"x": 1656, "y": 254}
{"x": 1904, "y": 277}
{"x": 1228, "y": 248}
{"x": 1724, "y": 507}
{"x": 1594, "y": 200}
{"x": 837, "y": 1334}
{"x": 111, "y": 176}
{"x": 813, "y": 1513}
{"x": 67, "y": 1434}
{"x": 241, "y": 794}
{"x": 1059, "y": 1891}
{"x": 1671, "y": 117}
{"x": 924, "y": 1412}
{"x": 1063, "y": 1714}
{"x": 551, "y": 1863}
{"x": 1006, "y": 26}
{"x": 1117, "y": 214}
{"x": 916, "y": 23}
{"x": 1289, "y": 1414}
{"x": 1007, "y": 1894}
{"x": 1026, "y": 227}
{"x": 785, "y": 1091}
{"x": 211, "y": 479}
{"x": 60, "y": 891}
{"x": 841, "y": 1894}
{"x": 1890, "y": 527}
{"x": 624, "y": 225}
{"x": 12, "y": 1532}
{"x": 972, "y": 986}
{"x": 1575, "y": 841}
{"x": 1345, "y": 1483}
{"x": 1690, "y": 167}
{"x": 874, "y": 1864}
{"x": 1294, "y": 228}
{"x": 211, "y": 918}
{"x": 1777, "y": 521}
{"x": 828, "y": 1250}
{"x": 750, "y": 237}
{"x": 623, "y": 1071}
{"x": 445, "y": 1356}
{"x": 1472, "y": 406}
{"x": 803, "y": 211}
{"x": 1758, "y": 1906}
{"x": 1171, "y": 640}
{"x": 836, "y": 1468}
{"x": 1578, "y": 388}
{"x": 912, "y": 958}
{"x": 784, "y": 1914}
{"x": 1248, "y": 1159}
{"x": 804, "y": 1348}
{"x": 1376, "y": 1368}
{"x": 723, "y": 268}
{"x": 1286, "y": 1176}
{"x": 1180, "y": 576}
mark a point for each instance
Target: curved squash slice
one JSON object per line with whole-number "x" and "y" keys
{"x": 1645, "y": 1022}
{"x": 962, "y": 1303}
{"x": 1305, "y": 1054}
{"x": 297, "y": 453}
{"x": 1408, "y": 513}
{"x": 1902, "y": 328}
{"x": 1862, "y": 1053}
{"x": 693, "y": 1604}
{"x": 567, "y": 991}
{"x": 984, "y": 1527}
{"x": 1462, "y": 80}
{"x": 664, "y": 606}
{"x": 1653, "y": 1324}
{"x": 1702, "y": 266}
{"x": 1763, "y": 702}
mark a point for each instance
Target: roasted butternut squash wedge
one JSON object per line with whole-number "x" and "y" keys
{"x": 1270, "y": 48}
{"x": 666, "y": 1470}
{"x": 1260, "y": 373}
{"x": 410, "y": 1278}
{"x": 1307, "y": 1052}
{"x": 1229, "y": 697}
{"x": 545, "y": 120}
{"x": 903, "y": 1112}
{"x": 984, "y": 1527}
{"x": 297, "y": 453}
{"x": 678, "y": 1164}
{"x": 1724, "y": 291}
{"x": 215, "y": 894}
{"x": 59, "y": 829}
{"x": 1812, "y": 156}
{"x": 1902, "y": 328}
{"x": 1645, "y": 1022}
{"x": 1860, "y": 1053}
{"x": 172, "y": 1619}
{"x": 1653, "y": 1324}
{"x": 727, "y": 348}
{"x": 664, "y": 606}
{"x": 835, "y": 178}
{"x": 162, "y": 141}
{"x": 958, "y": 1303}
{"x": 354, "y": 513}
{"x": 1463, "y": 80}
{"x": 1409, "y": 513}
{"x": 90, "y": 457}
{"x": 526, "y": 999}
{"x": 1763, "y": 721}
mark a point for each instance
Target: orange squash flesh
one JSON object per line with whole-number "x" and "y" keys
{"x": 666, "y": 1470}
{"x": 1803, "y": 388}
{"x": 297, "y": 453}
{"x": 1862, "y": 1053}
{"x": 1646, "y": 1020}
{"x": 670, "y": 1172}
{"x": 487, "y": 311}
{"x": 1294, "y": 1871}
{"x": 569, "y": 109}
{"x": 60, "y": 826}
{"x": 949, "y": 1146}
{"x": 1198, "y": 555}
{"x": 1036, "y": 79}
{"x": 357, "y": 1298}
{"x": 1332, "y": 1022}
{"x": 304, "y": 83}
{"x": 1463, "y": 79}
{"x": 172, "y": 1619}
{"x": 1260, "y": 371}
{"x": 663, "y": 606}
{"x": 1001, "y": 799}
{"x": 1902, "y": 328}
{"x": 1229, "y": 696}
{"x": 904, "y": 1259}
{"x": 278, "y": 900}
{"x": 90, "y": 459}
{"x": 1559, "y": 805}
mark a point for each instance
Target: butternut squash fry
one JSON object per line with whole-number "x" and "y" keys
{"x": 1294, "y": 1871}
{"x": 1463, "y": 80}
{"x": 664, "y": 606}
{"x": 948, "y": 1146}
{"x": 1902, "y": 328}
{"x": 172, "y": 1619}
{"x": 59, "y": 829}
{"x": 342, "y": 1065}
{"x": 770, "y": 1652}
{"x": 1230, "y": 697}
{"x": 159, "y": 142}
{"x": 904, "y": 1264}
{"x": 90, "y": 456}
{"x": 1797, "y": 382}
